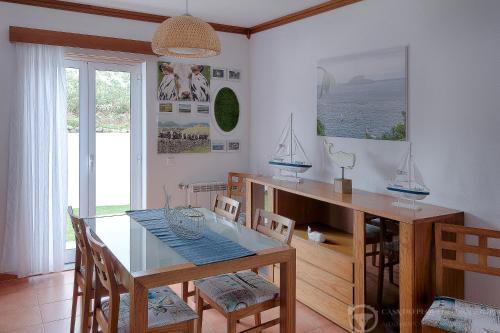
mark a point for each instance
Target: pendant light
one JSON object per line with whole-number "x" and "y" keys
{"x": 186, "y": 37}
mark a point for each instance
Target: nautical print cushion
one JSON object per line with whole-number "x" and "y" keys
{"x": 164, "y": 308}
{"x": 233, "y": 292}
{"x": 459, "y": 316}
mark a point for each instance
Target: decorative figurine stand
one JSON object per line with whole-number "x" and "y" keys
{"x": 342, "y": 185}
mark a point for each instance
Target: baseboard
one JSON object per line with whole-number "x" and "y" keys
{"x": 7, "y": 277}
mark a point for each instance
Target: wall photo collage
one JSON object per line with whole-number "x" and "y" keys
{"x": 184, "y": 108}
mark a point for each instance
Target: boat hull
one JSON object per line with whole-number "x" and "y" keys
{"x": 407, "y": 193}
{"x": 290, "y": 167}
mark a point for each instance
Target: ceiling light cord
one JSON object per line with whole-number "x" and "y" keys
{"x": 187, "y": 7}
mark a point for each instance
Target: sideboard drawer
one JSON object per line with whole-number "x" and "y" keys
{"x": 326, "y": 282}
{"x": 335, "y": 263}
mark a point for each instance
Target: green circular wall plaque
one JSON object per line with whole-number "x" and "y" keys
{"x": 226, "y": 109}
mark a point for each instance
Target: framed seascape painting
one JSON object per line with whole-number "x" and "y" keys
{"x": 183, "y": 82}
{"x": 183, "y": 137}
{"x": 363, "y": 95}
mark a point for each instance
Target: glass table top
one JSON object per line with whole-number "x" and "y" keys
{"x": 139, "y": 250}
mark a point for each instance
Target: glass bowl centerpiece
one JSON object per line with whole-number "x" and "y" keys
{"x": 185, "y": 222}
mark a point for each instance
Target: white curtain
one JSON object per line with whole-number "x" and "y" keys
{"x": 34, "y": 236}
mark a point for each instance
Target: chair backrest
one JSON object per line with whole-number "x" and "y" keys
{"x": 106, "y": 285}
{"x": 273, "y": 225}
{"x": 456, "y": 244}
{"x": 236, "y": 184}
{"x": 83, "y": 256}
{"x": 227, "y": 207}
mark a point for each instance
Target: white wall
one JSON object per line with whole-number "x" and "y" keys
{"x": 454, "y": 99}
{"x": 186, "y": 168}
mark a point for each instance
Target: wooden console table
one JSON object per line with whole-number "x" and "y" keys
{"x": 331, "y": 276}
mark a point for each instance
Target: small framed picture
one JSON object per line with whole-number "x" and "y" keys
{"x": 233, "y": 74}
{"x": 166, "y": 107}
{"x": 203, "y": 108}
{"x": 233, "y": 146}
{"x": 218, "y": 146}
{"x": 218, "y": 73}
{"x": 184, "y": 108}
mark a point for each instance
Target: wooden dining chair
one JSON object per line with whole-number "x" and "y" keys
{"x": 226, "y": 207}
{"x": 236, "y": 184}
{"x": 244, "y": 294}
{"x": 167, "y": 313}
{"x": 236, "y": 189}
{"x": 469, "y": 250}
{"x": 83, "y": 278}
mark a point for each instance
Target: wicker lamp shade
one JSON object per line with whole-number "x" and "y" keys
{"x": 186, "y": 37}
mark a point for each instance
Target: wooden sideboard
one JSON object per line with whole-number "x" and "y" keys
{"x": 331, "y": 275}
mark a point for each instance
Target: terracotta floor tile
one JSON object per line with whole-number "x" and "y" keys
{"x": 56, "y": 311}
{"x": 14, "y": 286}
{"x": 332, "y": 328}
{"x": 15, "y": 300}
{"x": 19, "y": 318}
{"x": 29, "y": 329}
{"x": 61, "y": 326}
{"x": 54, "y": 294}
{"x": 51, "y": 280}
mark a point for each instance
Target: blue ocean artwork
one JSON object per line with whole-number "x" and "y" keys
{"x": 363, "y": 96}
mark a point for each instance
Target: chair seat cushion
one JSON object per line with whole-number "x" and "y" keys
{"x": 454, "y": 315}
{"x": 164, "y": 308}
{"x": 234, "y": 292}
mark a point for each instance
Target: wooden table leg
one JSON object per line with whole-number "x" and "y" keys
{"x": 358, "y": 320}
{"x": 287, "y": 294}
{"x": 138, "y": 307}
{"x": 407, "y": 278}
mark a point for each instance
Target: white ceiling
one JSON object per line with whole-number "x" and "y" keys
{"x": 245, "y": 13}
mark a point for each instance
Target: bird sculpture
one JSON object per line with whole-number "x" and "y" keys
{"x": 315, "y": 236}
{"x": 343, "y": 160}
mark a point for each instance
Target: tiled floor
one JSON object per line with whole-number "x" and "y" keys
{"x": 42, "y": 304}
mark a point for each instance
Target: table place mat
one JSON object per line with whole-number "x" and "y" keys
{"x": 211, "y": 248}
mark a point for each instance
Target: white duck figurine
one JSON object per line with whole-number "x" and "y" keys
{"x": 315, "y": 236}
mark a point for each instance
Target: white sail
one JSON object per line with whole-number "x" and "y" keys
{"x": 408, "y": 182}
{"x": 289, "y": 154}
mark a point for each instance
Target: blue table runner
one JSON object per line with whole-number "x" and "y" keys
{"x": 211, "y": 248}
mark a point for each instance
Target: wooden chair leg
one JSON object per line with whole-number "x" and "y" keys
{"x": 374, "y": 257}
{"x": 86, "y": 303}
{"x": 258, "y": 320}
{"x": 190, "y": 327}
{"x": 199, "y": 311}
{"x": 185, "y": 291}
{"x": 74, "y": 306}
{"x": 380, "y": 287}
{"x": 391, "y": 274}
{"x": 231, "y": 324}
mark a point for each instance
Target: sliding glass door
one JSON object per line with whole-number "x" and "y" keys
{"x": 104, "y": 140}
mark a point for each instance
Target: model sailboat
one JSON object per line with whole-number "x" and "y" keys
{"x": 408, "y": 183}
{"x": 289, "y": 155}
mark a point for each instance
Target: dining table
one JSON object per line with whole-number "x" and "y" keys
{"x": 143, "y": 261}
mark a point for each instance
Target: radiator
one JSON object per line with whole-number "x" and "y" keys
{"x": 202, "y": 194}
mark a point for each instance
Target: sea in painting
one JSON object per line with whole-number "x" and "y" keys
{"x": 363, "y": 96}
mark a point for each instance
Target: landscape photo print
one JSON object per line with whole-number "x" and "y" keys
{"x": 187, "y": 136}
{"x": 363, "y": 95}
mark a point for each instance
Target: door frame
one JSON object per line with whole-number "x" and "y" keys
{"x": 87, "y": 142}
